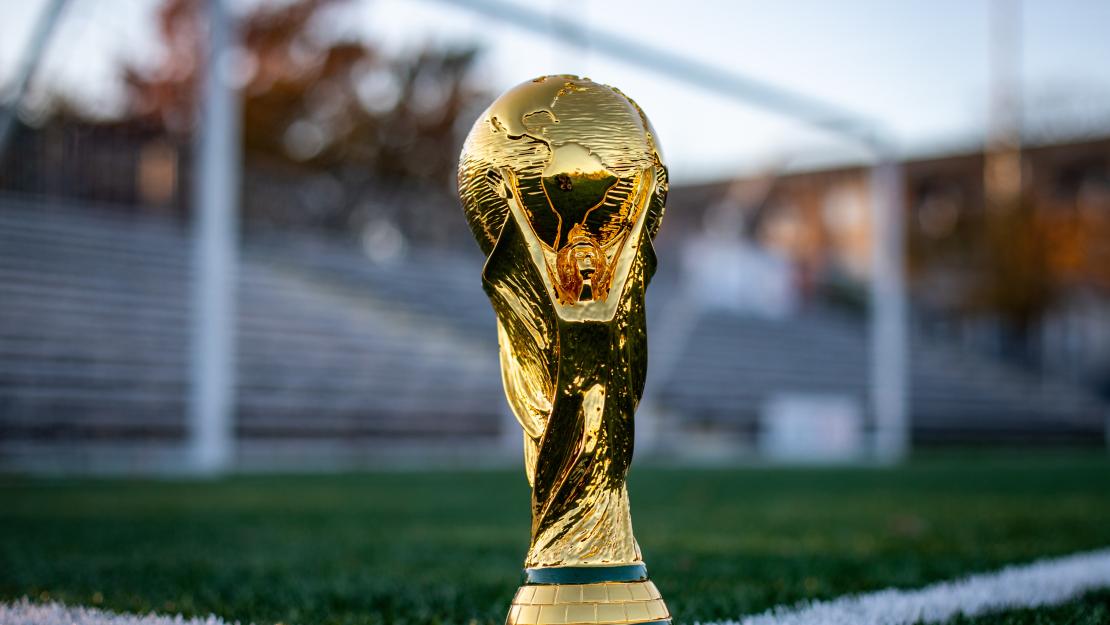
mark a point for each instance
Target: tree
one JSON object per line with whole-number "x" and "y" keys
{"x": 367, "y": 135}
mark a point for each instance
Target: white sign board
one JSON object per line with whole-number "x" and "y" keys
{"x": 801, "y": 427}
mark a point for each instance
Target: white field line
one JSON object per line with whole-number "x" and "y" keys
{"x": 1042, "y": 583}
{"x": 23, "y": 612}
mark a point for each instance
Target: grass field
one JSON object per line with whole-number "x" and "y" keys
{"x": 447, "y": 547}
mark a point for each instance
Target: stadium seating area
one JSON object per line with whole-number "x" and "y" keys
{"x": 343, "y": 362}
{"x": 731, "y": 364}
{"x": 94, "y": 343}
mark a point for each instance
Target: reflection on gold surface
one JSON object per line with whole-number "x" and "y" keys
{"x": 563, "y": 185}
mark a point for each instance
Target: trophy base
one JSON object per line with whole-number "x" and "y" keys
{"x": 588, "y": 595}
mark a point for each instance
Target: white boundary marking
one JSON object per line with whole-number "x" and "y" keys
{"x": 1042, "y": 583}
{"x": 24, "y": 612}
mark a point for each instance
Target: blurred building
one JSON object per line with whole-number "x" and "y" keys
{"x": 1042, "y": 302}
{"x": 348, "y": 356}
{"x": 363, "y": 337}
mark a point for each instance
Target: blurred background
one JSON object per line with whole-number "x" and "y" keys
{"x": 230, "y": 239}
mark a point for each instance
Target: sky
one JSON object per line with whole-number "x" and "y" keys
{"x": 920, "y": 69}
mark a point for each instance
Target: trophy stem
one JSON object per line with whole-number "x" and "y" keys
{"x": 581, "y": 595}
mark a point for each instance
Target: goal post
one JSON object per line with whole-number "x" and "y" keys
{"x": 215, "y": 254}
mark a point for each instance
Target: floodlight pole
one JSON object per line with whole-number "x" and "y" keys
{"x": 215, "y": 254}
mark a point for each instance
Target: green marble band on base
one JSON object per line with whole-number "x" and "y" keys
{"x": 585, "y": 574}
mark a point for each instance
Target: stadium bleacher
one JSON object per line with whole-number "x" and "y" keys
{"x": 94, "y": 344}
{"x": 732, "y": 364}
{"x": 342, "y": 362}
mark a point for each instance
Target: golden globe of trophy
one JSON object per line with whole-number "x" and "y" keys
{"x": 563, "y": 185}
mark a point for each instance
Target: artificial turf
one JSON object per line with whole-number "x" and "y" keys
{"x": 446, "y": 547}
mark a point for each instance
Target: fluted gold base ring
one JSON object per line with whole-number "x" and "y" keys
{"x": 608, "y": 602}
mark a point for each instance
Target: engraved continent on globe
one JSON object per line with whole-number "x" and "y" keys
{"x": 583, "y": 162}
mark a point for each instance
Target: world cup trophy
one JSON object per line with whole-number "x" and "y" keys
{"x": 563, "y": 185}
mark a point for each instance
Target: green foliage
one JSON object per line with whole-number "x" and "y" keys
{"x": 447, "y": 547}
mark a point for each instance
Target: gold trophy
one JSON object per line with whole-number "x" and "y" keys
{"x": 564, "y": 186}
